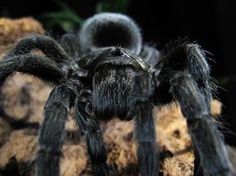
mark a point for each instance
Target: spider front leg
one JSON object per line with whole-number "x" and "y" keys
{"x": 52, "y": 131}
{"x": 32, "y": 64}
{"x": 202, "y": 128}
{"x": 89, "y": 126}
{"x": 185, "y": 77}
{"x": 40, "y": 42}
{"x": 145, "y": 135}
{"x": 53, "y": 66}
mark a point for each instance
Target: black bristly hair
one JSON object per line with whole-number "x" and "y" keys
{"x": 104, "y": 71}
{"x": 110, "y": 29}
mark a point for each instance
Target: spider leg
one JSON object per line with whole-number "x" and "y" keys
{"x": 145, "y": 135}
{"x": 198, "y": 170}
{"x": 51, "y": 67}
{"x": 52, "y": 130}
{"x": 40, "y": 66}
{"x": 40, "y": 42}
{"x": 203, "y": 130}
{"x": 70, "y": 43}
{"x": 90, "y": 127}
{"x": 187, "y": 73}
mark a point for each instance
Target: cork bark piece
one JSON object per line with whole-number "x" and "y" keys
{"x": 13, "y": 29}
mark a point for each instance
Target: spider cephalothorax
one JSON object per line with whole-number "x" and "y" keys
{"x": 105, "y": 71}
{"x": 115, "y": 76}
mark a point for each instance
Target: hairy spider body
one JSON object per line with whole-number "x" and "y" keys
{"x": 105, "y": 71}
{"x": 116, "y": 91}
{"x": 116, "y": 86}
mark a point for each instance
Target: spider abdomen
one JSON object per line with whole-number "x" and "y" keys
{"x": 117, "y": 91}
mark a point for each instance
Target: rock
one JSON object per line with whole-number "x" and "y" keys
{"x": 11, "y": 30}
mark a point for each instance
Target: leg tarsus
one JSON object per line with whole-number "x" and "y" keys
{"x": 145, "y": 134}
{"x": 97, "y": 153}
{"x": 147, "y": 158}
{"x": 198, "y": 170}
{"x": 47, "y": 163}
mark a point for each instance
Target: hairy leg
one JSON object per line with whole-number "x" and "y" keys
{"x": 145, "y": 135}
{"x": 202, "y": 128}
{"x": 40, "y": 66}
{"x": 70, "y": 44}
{"x": 52, "y": 131}
{"x": 40, "y": 42}
{"x": 90, "y": 127}
{"x": 51, "y": 50}
{"x": 185, "y": 77}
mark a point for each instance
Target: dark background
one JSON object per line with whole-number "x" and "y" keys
{"x": 212, "y": 23}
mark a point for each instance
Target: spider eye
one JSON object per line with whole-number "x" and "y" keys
{"x": 108, "y": 30}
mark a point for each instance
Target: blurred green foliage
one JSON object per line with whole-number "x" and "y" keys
{"x": 112, "y": 6}
{"x": 67, "y": 19}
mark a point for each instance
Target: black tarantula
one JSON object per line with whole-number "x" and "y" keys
{"x": 106, "y": 71}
